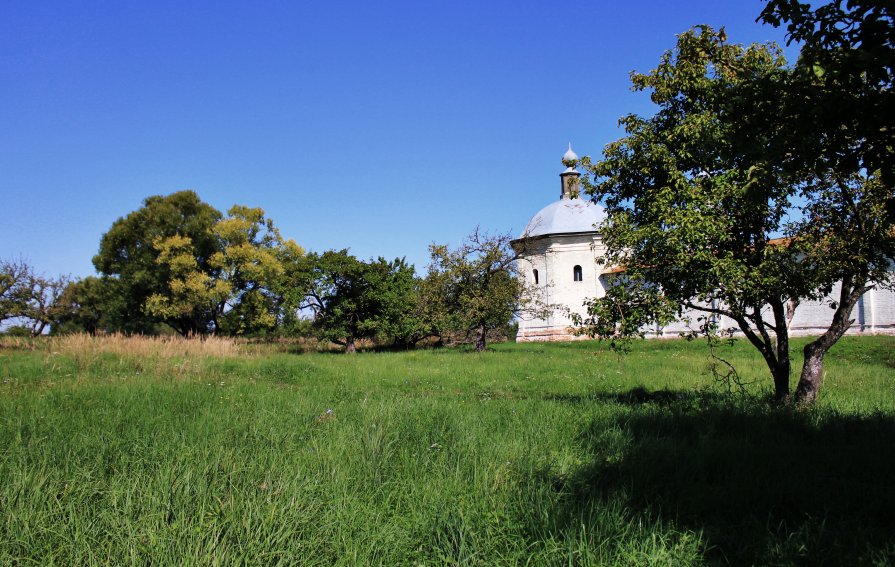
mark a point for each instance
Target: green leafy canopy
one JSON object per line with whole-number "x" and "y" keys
{"x": 699, "y": 194}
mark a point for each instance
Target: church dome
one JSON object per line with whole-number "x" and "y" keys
{"x": 565, "y": 216}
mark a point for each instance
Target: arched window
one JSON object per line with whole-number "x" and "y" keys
{"x": 576, "y": 272}
{"x": 535, "y": 273}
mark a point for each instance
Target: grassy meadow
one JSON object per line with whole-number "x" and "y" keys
{"x": 122, "y": 451}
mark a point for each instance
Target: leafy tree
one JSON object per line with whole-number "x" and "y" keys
{"x": 90, "y": 305}
{"x": 353, "y": 300}
{"x": 129, "y": 252}
{"x": 193, "y": 294}
{"x": 839, "y": 136}
{"x": 28, "y": 297}
{"x": 177, "y": 261}
{"x": 42, "y": 307}
{"x": 432, "y": 300}
{"x": 243, "y": 289}
{"x": 405, "y": 318}
{"x": 14, "y": 288}
{"x": 475, "y": 288}
{"x": 258, "y": 267}
{"x": 696, "y": 194}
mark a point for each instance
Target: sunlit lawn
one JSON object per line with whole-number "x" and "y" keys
{"x": 539, "y": 454}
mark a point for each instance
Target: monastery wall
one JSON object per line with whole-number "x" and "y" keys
{"x": 874, "y": 314}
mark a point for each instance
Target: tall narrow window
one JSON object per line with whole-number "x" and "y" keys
{"x": 535, "y": 273}
{"x": 576, "y": 272}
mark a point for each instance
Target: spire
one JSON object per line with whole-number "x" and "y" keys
{"x": 569, "y": 177}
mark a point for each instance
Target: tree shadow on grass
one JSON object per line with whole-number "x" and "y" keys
{"x": 764, "y": 485}
{"x": 641, "y": 397}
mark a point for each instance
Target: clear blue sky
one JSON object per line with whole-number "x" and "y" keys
{"x": 377, "y": 126}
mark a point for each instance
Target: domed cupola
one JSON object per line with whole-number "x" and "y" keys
{"x": 571, "y": 214}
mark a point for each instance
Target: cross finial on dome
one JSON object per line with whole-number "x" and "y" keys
{"x": 570, "y": 158}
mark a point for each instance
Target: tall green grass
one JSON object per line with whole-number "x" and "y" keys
{"x": 526, "y": 454}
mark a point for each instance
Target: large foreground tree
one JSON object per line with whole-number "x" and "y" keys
{"x": 698, "y": 194}
{"x": 840, "y": 136}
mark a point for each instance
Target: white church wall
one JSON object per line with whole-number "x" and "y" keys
{"x": 873, "y": 314}
{"x": 555, "y": 258}
{"x": 564, "y": 254}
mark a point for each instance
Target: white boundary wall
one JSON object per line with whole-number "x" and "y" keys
{"x": 555, "y": 256}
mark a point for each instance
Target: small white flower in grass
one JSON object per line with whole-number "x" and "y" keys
{"x": 435, "y": 447}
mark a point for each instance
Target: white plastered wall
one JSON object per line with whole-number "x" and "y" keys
{"x": 555, "y": 258}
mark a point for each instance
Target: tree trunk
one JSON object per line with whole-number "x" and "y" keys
{"x": 812, "y": 373}
{"x": 350, "y": 347}
{"x": 38, "y": 329}
{"x": 813, "y": 368}
{"x": 774, "y": 351}
{"x": 480, "y": 340}
{"x": 783, "y": 368}
{"x": 781, "y": 378}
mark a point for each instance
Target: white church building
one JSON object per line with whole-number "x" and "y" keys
{"x": 558, "y": 252}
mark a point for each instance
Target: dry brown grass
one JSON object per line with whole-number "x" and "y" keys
{"x": 143, "y": 346}
{"x": 132, "y": 346}
{"x": 84, "y": 346}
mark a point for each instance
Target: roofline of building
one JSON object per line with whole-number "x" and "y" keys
{"x": 614, "y": 270}
{"x": 543, "y": 236}
{"x": 782, "y": 241}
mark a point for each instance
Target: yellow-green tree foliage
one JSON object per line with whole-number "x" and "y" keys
{"x": 191, "y": 290}
{"x": 258, "y": 265}
{"x": 244, "y": 287}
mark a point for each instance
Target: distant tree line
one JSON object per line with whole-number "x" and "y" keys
{"x": 178, "y": 264}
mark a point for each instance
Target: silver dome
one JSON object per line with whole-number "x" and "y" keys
{"x": 566, "y": 216}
